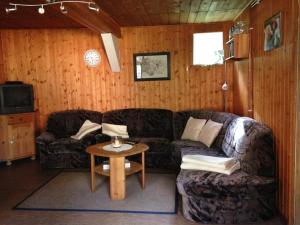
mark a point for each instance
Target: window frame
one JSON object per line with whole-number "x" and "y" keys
{"x": 192, "y": 52}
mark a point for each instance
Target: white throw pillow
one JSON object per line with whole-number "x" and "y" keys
{"x": 86, "y": 128}
{"x": 115, "y": 130}
{"x": 192, "y": 129}
{"x": 209, "y": 132}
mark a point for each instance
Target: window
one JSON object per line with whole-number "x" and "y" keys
{"x": 208, "y": 48}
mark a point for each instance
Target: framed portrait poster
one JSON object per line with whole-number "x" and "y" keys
{"x": 273, "y": 34}
{"x": 151, "y": 66}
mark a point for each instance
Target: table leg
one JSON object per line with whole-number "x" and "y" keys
{"x": 92, "y": 172}
{"x": 143, "y": 171}
{"x": 117, "y": 178}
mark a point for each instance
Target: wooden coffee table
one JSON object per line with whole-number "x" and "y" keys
{"x": 117, "y": 171}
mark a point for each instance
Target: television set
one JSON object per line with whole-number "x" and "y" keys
{"x": 16, "y": 97}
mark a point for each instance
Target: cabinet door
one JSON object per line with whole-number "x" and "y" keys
{"x": 21, "y": 140}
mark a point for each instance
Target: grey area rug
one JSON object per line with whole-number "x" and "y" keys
{"x": 70, "y": 191}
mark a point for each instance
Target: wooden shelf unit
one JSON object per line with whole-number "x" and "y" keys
{"x": 17, "y": 136}
{"x": 238, "y": 47}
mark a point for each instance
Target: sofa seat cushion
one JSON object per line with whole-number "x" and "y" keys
{"x": 66, "y": 153}
{"x": 69, "y": 144}
{"x": 197, "y": 184}
{"x": 159, "y": 153}
{"x": 155, "y": 144}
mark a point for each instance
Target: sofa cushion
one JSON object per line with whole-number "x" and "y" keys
{"x": 180, "y": 119}
{"x": 192, "y": 129}
{"x": 251, "y": 143}
{"x": 156, "y": 123}
{"x": 128, "y": 117}
{"x": 70, "y": 144}
{"x": 209, "y": 132}
{"x": 66, "y": 123}
{"x": 143, "y": 122}
{"x": 159, "y": 153}
{"x": 224, "y": 118}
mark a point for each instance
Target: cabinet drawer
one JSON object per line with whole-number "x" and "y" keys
{"x": 15, "y": 119}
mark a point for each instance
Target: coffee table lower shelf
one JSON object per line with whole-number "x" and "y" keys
{"x": 134, "y": 168}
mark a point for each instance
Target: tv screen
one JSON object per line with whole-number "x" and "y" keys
{"x": 17, "y": 96}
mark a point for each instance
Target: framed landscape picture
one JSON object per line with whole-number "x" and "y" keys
{"x": 151, "y": 66}
{"x": 273, "y": 33}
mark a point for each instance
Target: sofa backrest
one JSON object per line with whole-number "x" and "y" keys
{"x": 181, "y": 118}
{"x": 66, "y": 123}
{"x": 142, "y": 122}
{"x": 224, "y": 118}
{"x": 251, "y": 143}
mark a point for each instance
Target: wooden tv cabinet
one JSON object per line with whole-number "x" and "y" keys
{"x": 17, "y": 137}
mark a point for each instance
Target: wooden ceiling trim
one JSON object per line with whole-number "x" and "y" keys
{"x": 98, "y": 22}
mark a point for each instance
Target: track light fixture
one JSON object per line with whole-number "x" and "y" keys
{"x": 11, "y": 9}
{"x": 63, "y": 9}
{"x": 41, "y": 10}
{"x": 93, "y": 6}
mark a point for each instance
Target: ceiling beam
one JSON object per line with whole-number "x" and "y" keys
{"x": 99, "y": 22}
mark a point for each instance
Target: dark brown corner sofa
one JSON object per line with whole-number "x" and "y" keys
{"x": 247, "y": 195}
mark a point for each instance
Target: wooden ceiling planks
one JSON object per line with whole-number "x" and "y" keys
{"x": 129, "y": 13}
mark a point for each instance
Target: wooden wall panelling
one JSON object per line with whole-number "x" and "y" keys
{"x": 240, "y": 88}
{"x": 52, "y": 60}
{"x": 2, "y": 79}
{"x": 297, "y": 134}
{"x": 274, "y": 83}
{"x": 242, "y": 82}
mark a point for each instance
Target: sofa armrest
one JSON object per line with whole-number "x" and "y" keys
{"x": 203, "y": 183}
{"x": 45, "y": 138}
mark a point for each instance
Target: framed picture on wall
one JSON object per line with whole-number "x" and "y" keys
{"x": 273, "y": 33}
{"x": 151, "y": 66}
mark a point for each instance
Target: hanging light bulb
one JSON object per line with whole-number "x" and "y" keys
{"x": 94, "y": 7}
{"x": 8, "y": 10}
{"x": 63, "y": 9}
{"x": 225, "y": 86}
{"x": 41, "y": 10}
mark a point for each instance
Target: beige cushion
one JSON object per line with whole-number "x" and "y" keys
{"x": 115, "y": 130}
{"x": 86, "y": 128}
{"x": 209, "y": 132}
{"x": 192, "y": 129}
